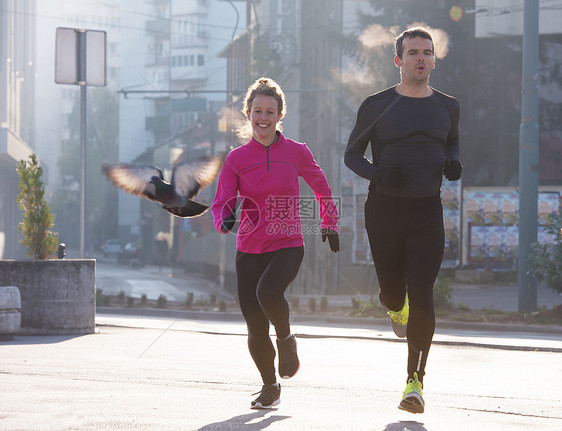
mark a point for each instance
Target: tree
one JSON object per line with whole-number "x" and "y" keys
{"x": 101, "y": 147}
{"x": 546, "y": 258}
{"x": 484, "y": 74}
{"x": 38, "y": 220}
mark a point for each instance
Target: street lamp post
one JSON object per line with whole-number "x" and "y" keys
{"x": 80, "y": 60}
{"x": 528, "y": 156}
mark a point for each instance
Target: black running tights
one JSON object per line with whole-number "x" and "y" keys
{"x": 262, "y": 280}
{"x": 407, "y": 240}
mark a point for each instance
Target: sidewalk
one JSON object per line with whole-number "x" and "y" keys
{"x": 141, "y": 373}
{"x": 164, "y": 369}
{"x": 511, "y": 337}
{"x": 468, "y": 296}
{"x": 493, "y": 296}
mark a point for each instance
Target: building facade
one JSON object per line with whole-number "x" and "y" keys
{"x": 17, "y": 132}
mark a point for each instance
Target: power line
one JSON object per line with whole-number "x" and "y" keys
{"x": 110, "y": 26}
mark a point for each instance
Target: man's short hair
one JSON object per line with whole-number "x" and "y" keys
{"x": 410, "y": 34}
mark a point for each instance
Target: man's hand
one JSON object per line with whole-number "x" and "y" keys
{"x": 393, "y": 176}
{"x": 228, "y": 223}
{"x": 452, "y": 169}
{"x": 333, "y": 239}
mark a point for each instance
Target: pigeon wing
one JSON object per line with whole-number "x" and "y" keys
{"x": 134, "y": 179}
{"x": 190, "y": 177}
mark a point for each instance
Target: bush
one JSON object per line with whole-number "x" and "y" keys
{"x": 312, "y": 304}
{"x": 38, "y": 220}
{"x": 162, "y": 301}
{"x": 189, "y": 300}
{"x": 295, "y": 302}
{"x": 442, "y": 291}
{"x": 222, "y": 305}
{"x": 101, "y": 299}
{"x": 546, "y": 259}
{"x": 143, "y": 299}
{"x": 324, "y": 304}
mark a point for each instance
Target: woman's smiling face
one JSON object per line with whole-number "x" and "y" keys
{"x": 264, "y": 116}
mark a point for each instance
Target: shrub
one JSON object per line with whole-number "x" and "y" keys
{"x": 143, "y": 299}
{"x": 312, "y": 304}
{"x": 101, "y": 299}
{"x": 189, "y": 300}
{"x": 38, "y": 220}
{"x": 442, "y": 290}
{"x": 295, "y": 302}
{"x": 222, "y": 305}
{"x": 162, "y": 301}
{"x": 324, "y": 303}
{"x": 546, "y": 259}
{"x": 130, "y": 301}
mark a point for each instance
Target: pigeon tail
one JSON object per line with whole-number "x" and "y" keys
{"x": 191, "y": 209}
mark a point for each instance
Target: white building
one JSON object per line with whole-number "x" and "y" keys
{"x": 17, "y": 133}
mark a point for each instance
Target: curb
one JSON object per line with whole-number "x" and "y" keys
{"x": 332, "y": 320}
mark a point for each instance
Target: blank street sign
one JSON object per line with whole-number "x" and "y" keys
{"x": 68, "y": 56}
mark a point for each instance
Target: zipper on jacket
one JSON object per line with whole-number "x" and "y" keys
{"x": 267, "y": 155}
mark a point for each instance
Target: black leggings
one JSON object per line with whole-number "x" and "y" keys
{"x": 407, "y": 240}
{"x": 262, "y": 280}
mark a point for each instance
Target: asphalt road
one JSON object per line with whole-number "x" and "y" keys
{"x": 137, "y": 373}
{"x": 113, "y": 278}
{"x": 152, "y": 281}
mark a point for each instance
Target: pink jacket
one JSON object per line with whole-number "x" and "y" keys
{"x": 267, "y": 180}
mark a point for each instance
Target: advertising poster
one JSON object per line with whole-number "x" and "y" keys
{"x": 451, "y": 197}
{"x": 361, "y": 252}
{"x": 490, "y": 225}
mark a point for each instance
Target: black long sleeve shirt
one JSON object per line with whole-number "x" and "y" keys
{"x": 415, "y": 133}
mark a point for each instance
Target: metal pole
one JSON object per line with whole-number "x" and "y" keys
{"x": 82, "y": 82}
{"x": 528, "y": 156}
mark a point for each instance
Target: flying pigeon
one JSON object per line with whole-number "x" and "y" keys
{"x": 188, "y": 178}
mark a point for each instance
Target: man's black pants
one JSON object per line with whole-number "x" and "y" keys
{"x": 407, "y": 241}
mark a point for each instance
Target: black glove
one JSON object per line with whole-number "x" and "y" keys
{"x": 452, "y": 169}
{"x": 333, "y": 239}
{"x": 228, "y": 223}
{"x": 393, "y": 176}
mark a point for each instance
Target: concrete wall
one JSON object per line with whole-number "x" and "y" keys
{"x": 57, "y": 296}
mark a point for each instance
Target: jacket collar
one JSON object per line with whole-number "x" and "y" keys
{"x": 280, "y": 141}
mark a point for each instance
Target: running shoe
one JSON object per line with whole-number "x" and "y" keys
{"x": 399, "y": 319}
{"x": 412, "y": 400}
{"x": 270, "y": 396}
{"x": 288, "y": 360}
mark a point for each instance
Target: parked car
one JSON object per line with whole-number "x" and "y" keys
{"x": 130, "y": 255}
{"x": 111, "y": 247}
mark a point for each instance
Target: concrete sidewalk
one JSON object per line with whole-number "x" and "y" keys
{"x": 493, "y": 296}
{"x": 142, "y": 373}
{"x": 513, "y": 337}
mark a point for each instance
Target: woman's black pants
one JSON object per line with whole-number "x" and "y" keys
{"x": 262, "y": 280}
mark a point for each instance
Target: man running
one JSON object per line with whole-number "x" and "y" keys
{"x": 413, "y": 130}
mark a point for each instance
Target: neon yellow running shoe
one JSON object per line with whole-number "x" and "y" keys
{"x": 399, "y": 319}
{"x": 412, "y": 400}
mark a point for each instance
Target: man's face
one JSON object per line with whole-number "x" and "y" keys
{"x": 417, "y": 60}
